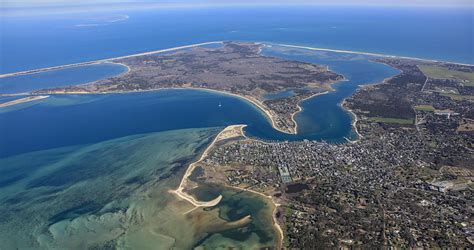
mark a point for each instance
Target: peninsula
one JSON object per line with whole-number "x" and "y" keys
{"x": 233, "y": 68}
{"x": 229, "y": 134}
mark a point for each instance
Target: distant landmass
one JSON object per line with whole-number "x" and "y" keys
{"x": 235, "y": 68}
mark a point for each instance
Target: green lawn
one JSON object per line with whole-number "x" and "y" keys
{"x": 391, "y": 120}
{"x": 425, "y": 108}
{"x": 457, "y": 97}
{"x": 444, "y": 73}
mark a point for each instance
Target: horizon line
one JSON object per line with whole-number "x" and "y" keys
{"x": 110, "y": 60}
{"x": 46, "y": 9}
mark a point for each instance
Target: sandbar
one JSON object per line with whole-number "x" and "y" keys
{"x": 23, "y": 100}
{"x": 107, "y": 60}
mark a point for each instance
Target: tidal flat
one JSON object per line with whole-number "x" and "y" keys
{"x": 51, "y": 203}
{"x": 113, "y": 193}
{"x": 235, "y": 206}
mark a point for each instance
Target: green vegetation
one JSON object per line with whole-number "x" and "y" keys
{"x": 169, "y": 60}
{"x": 457, "y": 97}
{"x": 444, "y": 73}
{"x": 425, "y": 108}
{"x": 390, "y": 120}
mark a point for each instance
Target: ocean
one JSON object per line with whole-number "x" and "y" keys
{"x": 30, "y": 42}
{"x": 92, "y": 170}
{"x": 65, "y": 120}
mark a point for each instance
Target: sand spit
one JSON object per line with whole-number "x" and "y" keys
{"x": 23, "y": 100}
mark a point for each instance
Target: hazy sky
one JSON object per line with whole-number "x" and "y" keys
{"x": 37, "y": 3}
{"x": 48, "y": 7}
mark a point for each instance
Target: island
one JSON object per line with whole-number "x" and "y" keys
{"x": 234, "y": 68}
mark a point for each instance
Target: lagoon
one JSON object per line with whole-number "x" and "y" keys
{"x": 59, "y": 78}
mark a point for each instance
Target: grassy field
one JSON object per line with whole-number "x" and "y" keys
{"x": 390, "y": 120}
{"x": 459, "y": 97}
{"x": 444, "y": 73}
{"x": 425, "y": 108}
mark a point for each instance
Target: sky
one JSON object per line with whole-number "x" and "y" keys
{"x": 43, "y": 3}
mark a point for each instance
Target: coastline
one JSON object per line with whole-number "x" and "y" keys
{"x": 106, "y": 60}
{"x": 228, "y": 132}
{"x": 369, "y": 54}
{"x": 122, "y": 64}
{"x": 355, "y": 119}
{"x": 270, "y": 115}
{"x": 250, "y": 99}
{"x": 180, "y": 190}
{"x": 259, "y": 105}
{"x": 275, "y": 207}
{"x": 301, "y": 109}
{"x": 109, "y": 60}
{"x": 23, "y": 100}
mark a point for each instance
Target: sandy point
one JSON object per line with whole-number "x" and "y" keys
{"x": 232, "y": 131}
{"x": 227, "y": 133}
{"x": 23, "y": 100}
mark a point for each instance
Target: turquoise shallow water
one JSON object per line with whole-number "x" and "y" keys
{"x": 60, "y": 155}
{"x": 78, "y": 196}
{"x": 73, "y": 167}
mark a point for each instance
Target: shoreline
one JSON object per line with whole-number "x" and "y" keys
{"x": 253, "y": 100}
{"x": 109, "y": 60}
{"x": 268, "y": 113}
{"x": 369, "y": 54}
{"x": 106, "y": 60}
{"x": 259, "y": 104}
{"x": 300, "y": 109}
{"x": 23, "y": 100}
{"x": 227, "y": 133}
{"x": 355, "y": 119}
{"x": 249, "y": 99}
{"x": 180, "y": 190}
{"x": 275, "y": 207}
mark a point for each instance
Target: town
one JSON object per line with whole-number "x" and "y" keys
{"x": 407, "y": 181}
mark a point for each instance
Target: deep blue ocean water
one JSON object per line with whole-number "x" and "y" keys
{"x": 66, "y": 120}
{"x": 47, "y": 40}
{"x": 65, "y": 125}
